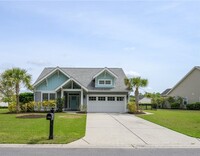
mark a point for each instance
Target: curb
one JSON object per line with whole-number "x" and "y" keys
{"x": 61, "y": 146}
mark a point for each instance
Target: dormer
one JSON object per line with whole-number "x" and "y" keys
{"x": 105, "y": 79}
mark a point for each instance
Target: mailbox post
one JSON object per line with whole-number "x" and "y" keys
{"x": 50, "y": 117}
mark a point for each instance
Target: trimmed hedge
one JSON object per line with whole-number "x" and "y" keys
{"x": 26, "y": 97}
{"x": 175, "y": 105}
{"x": 193, "y": 106}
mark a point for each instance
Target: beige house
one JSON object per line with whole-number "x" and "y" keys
{"x": 188, "y": 87}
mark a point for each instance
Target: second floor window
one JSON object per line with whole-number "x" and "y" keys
{"x": 105, "y": 82}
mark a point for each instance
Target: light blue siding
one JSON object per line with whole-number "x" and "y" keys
{"x": 52, "y": 82}
{"x": 104, "y": 76}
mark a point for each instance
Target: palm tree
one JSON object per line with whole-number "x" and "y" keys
{"x": 15, "y": 77}
{"x": 136, "y": 83}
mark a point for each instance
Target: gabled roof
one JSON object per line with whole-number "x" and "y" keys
{"x": 46, "y": 73}
{"x": 105, "y": 69}
{"x": 196, "y": 67}
{"x": 85, "y": 77}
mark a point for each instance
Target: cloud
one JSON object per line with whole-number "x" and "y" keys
{"x": 39, "y": 63}
{"x": 130, "y": 74}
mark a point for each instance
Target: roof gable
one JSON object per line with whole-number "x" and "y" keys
{"x": 105, "y": 70}
{"x": 188, "y": 74}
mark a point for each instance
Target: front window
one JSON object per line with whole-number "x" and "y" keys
{"x": 105, "y": 82}
{"x": 52, "y": 96}
{"x": 48, "y": 96}
{"x": 45, "y": 97}
{"x": 108, "y": 82}
{"x": 101, "y": 82}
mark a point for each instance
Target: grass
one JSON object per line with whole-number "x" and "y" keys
{"x": 23, "y": 129}
{"x": 183, "y": 121}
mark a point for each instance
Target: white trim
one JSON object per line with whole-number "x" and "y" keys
{"x": 107, "y": 91}
{"x": 53, "y": 71}
{"x": 105, "y": 69}
{"x": 62, "y": 85}
{"x": 81, "y": 97}
{"x": 72, "y": 90}
{"x": 71, "y": 79}
{"x": 79, "y": 84}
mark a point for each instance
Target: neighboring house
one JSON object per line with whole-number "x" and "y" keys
{"x": 145, "y": 100}
{"x": 3, "y": 104}
{"x": 188, "y": 87}
{"x": 101, "y": 89}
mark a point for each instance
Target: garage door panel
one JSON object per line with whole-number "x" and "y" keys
{"x": 106, "y": 106}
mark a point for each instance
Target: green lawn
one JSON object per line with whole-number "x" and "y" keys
{"x": 16, "y": 130}
{"x": 183, "y": 121}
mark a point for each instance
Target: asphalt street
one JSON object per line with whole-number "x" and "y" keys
{"x": 98, "y": 152}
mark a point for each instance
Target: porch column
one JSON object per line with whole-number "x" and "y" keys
{"x": 61, "y": 92}
{"x": 81, "y": 97}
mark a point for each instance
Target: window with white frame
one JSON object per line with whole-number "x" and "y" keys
{"x": 108, "y": 82}
{"x": 92, "y": 98}
{"x": 52, "y": 96}
{"x": 101, "y": 82}
{"x": 120, "y": 98}
{"x": 101, "y": 98}
{"x": 48, "y": 96}
{"x": 105, "y": 82}
{"x": 111, "y": 98}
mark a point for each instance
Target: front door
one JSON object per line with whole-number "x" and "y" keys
{"x": 74, "y": 102}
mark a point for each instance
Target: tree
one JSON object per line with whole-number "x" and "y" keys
{"x": 6, "y": 92}
{"x": 14, "y": 78}
{"x": 136, "y": 83}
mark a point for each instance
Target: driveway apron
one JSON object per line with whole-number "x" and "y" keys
{"x": 126, "y": 130}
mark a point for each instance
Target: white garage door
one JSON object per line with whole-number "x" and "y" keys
{"x": 115, "y": 104}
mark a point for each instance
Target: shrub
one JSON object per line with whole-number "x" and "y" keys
{"x": 38, "y": 106}
{"x": 30, "y": 106}
{"x": 132, "y": 107}
{"x": 59, "y": 103}
{"x": 25, "y": 97}
{"x": 45, "y": 105}
{"x": 175, "y": 105}
{"x": 51, "y": 103}
{"x": 193, "y": 106}
{"x": 83, "y": 108}
{"x": 12, "y": 107}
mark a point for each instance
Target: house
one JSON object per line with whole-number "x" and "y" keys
{"x": 100, "y": 89}
{"x": 3, "y": 104}
{"x": 188, "y": 87}
{"x": 145, "y": 100}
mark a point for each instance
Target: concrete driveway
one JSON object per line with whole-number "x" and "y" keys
{"x": 126, "y": 130}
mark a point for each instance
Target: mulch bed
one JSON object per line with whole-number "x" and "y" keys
{"x": 30, "y": 116}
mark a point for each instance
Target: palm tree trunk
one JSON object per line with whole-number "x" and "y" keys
{"x": 17, "y": 97}
{"x": 137, "y": 98}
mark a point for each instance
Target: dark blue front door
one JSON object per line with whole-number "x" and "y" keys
{"x": 74, "y": 102}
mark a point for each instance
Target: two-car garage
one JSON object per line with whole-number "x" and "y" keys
{"x": 111, "y": 103}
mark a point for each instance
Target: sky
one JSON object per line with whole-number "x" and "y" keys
{"x": 155, "y": 39}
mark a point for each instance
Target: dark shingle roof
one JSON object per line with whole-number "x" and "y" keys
{"x": 164, "y": 93}
{"x": 85, "y": 77}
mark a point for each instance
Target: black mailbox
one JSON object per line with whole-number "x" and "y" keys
{"x": 49, "y": 116}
